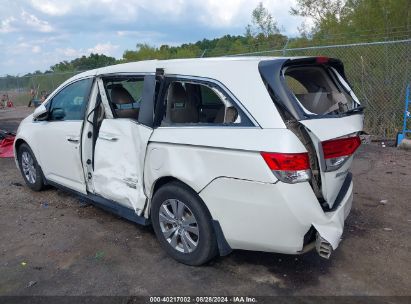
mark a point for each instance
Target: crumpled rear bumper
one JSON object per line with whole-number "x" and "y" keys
{"x": 272, "y": 217}
{"x": 332, "y": 228}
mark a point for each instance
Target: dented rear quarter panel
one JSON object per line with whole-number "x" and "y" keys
{"x": 197, "y": 156}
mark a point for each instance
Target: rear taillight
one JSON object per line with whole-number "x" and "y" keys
{"x": 289, "y": 167}
{"x": 337, "y": 151}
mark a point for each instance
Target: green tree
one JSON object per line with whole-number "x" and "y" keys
{"x": 83, "y": 63}
{"x": 383, "y": 16}
{"x": 358, "y": 20}
{"x": 262, "y": 22}
{"x": 319, "y": 10}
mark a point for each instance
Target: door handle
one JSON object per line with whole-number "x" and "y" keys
{"x": 107, "y": 137}
{"x": 74, "y": 140}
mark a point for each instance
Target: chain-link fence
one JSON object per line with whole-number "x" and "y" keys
{"x": 20, "y": 88}
{"x": 379, "y": 73}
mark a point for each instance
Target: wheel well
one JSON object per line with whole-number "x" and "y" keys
{"x": 223, "y": 247}
{"x": 168, "y": 179}
{"x": 18, "y": 143}
{"x": 165, "y": 180}
{"x": 158, "y": 184}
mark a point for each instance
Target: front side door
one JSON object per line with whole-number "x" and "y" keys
{"x": 59, "y": 136}
{"x": 122, "y": 140}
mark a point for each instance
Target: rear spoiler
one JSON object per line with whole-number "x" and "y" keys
{"x": 270, "y": 71}
{"x": 333, "y": 62}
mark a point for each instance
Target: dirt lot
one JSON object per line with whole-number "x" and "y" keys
{"x": 52, "y": 244}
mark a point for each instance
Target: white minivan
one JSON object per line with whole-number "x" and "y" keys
{"x": 216, "y": 154}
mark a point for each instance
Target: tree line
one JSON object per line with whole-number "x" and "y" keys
{"x": 331, "y": 22}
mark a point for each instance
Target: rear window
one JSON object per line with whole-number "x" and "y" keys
{"x": 320, "y": 89}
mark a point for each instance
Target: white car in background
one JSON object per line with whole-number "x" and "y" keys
{"x": 217, "y": 154}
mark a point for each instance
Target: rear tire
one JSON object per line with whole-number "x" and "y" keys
{"x": 183, "y": 224}
{"x": 29, "y": 168}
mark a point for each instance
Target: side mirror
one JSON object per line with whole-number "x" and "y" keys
{"x": 57, "y": 114}
{"x": 40, "y": 112}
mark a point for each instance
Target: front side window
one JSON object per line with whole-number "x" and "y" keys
{"x": 71, "y": 102}
{"x": 189, "y": 102}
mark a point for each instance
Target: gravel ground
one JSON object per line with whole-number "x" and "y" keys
{"x": 53, "y": 244}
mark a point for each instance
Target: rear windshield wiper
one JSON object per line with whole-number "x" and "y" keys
{"x": 355, "y": 110}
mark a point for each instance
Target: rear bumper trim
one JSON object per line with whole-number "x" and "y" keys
{"x": 343, "y": 192}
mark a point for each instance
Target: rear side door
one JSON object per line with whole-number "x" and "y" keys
{"x": 120, "y": 152}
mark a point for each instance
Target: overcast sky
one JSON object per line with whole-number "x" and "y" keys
{"x": 35, "y": 34}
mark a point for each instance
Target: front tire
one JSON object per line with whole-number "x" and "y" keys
{"x": 29, "y": 168}
{"x": 183, "y": 224}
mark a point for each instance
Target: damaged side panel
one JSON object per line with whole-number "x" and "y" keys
{"x": 119, "y": 161}
{"x": 198, "y": 166}
{"x": 197, "y": 156}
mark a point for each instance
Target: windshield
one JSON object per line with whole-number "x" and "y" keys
{"x": 320, "y": 89}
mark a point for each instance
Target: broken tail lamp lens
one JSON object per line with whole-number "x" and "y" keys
{"x": 338, "y": 151}
{"x": 289, "y": 168}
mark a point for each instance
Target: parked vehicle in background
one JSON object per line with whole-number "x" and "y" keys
{"x": 217, "y": 154}
{"x": 6, "y": 102}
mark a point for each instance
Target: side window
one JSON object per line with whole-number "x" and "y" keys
{"x": 198, "y": 103}
{"x": 125, "y": 96}
{"x": 208, "y": 97}
{"x": 71, "y": 102}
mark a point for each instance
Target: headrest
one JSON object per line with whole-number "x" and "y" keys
{"x": 119, "y": 95}
{"x": 178, "y": 96}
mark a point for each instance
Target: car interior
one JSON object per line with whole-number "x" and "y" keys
{"x": 317, "y": 90}
{"x": 189, "y": 102}
{"x": 123, "y": 103}
{"x": 186, "y": 102}
{"x": 125, "y": 97}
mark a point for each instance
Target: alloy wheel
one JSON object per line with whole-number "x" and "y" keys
{"x": 179, "y": 225}
{"x": 29, "y": 169}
